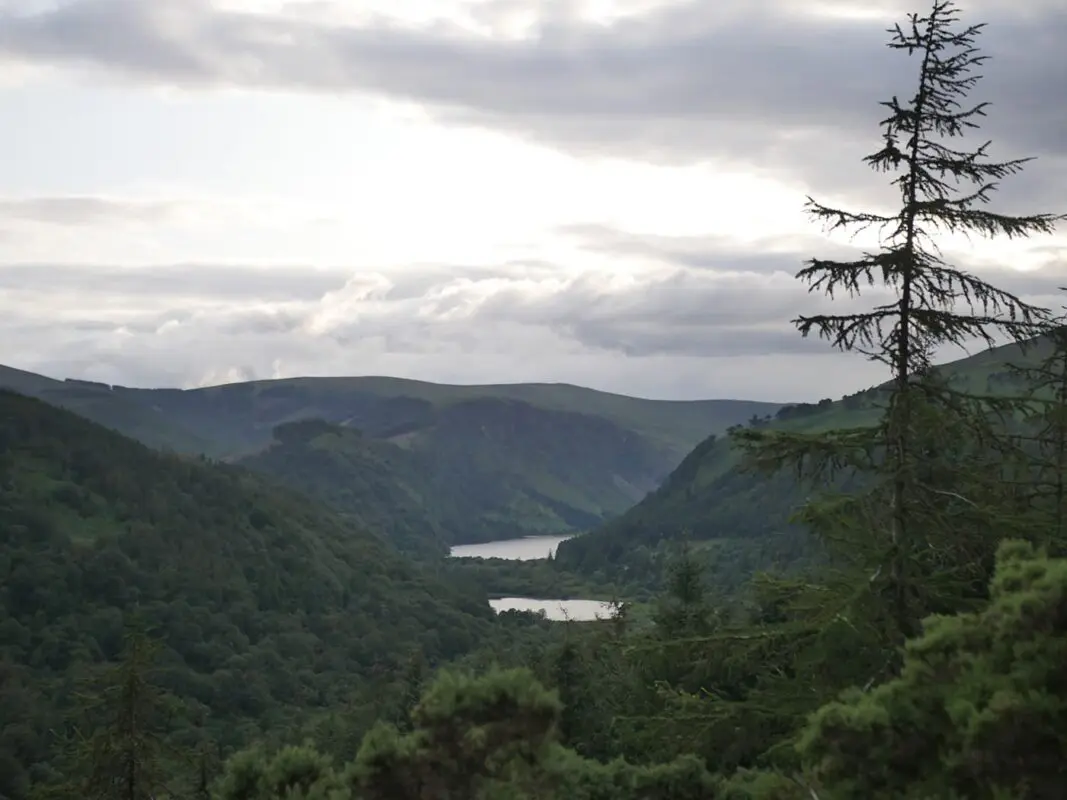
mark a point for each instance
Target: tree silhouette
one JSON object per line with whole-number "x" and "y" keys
{"x": 915, "y": 469}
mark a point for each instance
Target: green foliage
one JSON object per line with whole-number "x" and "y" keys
{"x": 478, "y": 470}
{"x": 267, "y": 607}
{"x": 117, "y": 748}
{"x": 1043, "y": 435}
{"x": 979, "y": 709}
{"x": 487, "y": 738}
{"x": 380, "y": 486}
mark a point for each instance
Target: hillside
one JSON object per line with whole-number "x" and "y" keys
{"x": 497, "y": 461}
{"x": 117, "y": 410}
{"x": 487, "y": 469}
{"x": 743, "y": 518}
{"x": 269, "y": 607}
{"x": 379, "y": 485}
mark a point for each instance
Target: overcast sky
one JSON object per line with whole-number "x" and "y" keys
{"x": 602, "y": 192}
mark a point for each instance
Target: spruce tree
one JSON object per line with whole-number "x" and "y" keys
{"x": 914, "y": 473}
{"x": 118, "y": 751}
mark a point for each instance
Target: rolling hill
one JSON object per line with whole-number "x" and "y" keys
{"x": 268, "y": 606}
{"x": 744, "y": 517}
{"x": 117, "y": 410}
{"x": 381, "y": 486}
{"x": 510, "y": 459}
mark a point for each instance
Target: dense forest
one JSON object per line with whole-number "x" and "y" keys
{"x": 856, "y": 599}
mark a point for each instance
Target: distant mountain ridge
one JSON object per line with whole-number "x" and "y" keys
{"x": 494, "y": 461}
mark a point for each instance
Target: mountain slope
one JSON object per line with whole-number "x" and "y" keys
{"x": 381, "y": 486}
{"x": 498, "y": 461}
{"x": 269, "y": 607}
{"x": 709, "y": 499}
{"x": 239, "y": 417}
{"x": 117, "y": 410}
{"x": 484, "y": 469}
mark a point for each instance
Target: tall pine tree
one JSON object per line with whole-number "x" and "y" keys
{"x": 914, "y": 507}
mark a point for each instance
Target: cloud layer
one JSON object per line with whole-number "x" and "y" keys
{"x": 766, "y": 80}
{"x": 685, "y": 320}
{"x": 779, "y": 89}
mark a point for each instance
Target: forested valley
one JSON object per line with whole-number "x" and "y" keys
{"x": 861, "y": 598}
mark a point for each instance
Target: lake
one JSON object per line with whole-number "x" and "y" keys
{"x": 527, "y": 548}
{"x": 560, "y": 610}
{"x": 530, "y": 548}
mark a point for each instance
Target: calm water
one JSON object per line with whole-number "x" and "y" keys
{"x": 577, "y": 610}
{"x": 530, "y": 548}
{"x": 526, "y": 549}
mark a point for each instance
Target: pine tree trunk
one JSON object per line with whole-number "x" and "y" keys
{"x": 899, "y": 535}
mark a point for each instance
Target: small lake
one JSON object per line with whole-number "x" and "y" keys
{"x": 530, "y": 548}
{"x": 559, "y": 610}
{"x": 527, "y": 548}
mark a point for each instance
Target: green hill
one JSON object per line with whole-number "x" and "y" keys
{"x": 379, "y": 485}
{"x": 484, "y": 469}
{"x": 117, "y": 410}
{"x": 493, "y": 461}
{"x": 269, "y": 607}
{"x": 741, "y": 518}
{"x": 238, "y": 418}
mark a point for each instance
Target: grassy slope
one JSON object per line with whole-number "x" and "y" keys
{"x": 709, "y": 498}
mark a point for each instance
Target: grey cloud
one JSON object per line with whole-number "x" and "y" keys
{"x": 84, "y": 210}
{"x": 523, "y": 322}
{"x": 756, "y": 81}
{"x": 729, "y": 304}
{"x": 769, "y": 254}
{"x": 170, "y": 282}
{"x": 786, "y": 255}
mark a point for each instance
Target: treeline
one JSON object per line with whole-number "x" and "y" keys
{"x": 689, "y": 708}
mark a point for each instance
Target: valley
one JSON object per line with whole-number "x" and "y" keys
{"x": 372, "y": 588}
{"x": 334, "y": 565}
{"x": 466, "y": 463}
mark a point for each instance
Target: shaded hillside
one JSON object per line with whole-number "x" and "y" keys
{"x": 237, "y": 418}
{"x": 247, "y": 412}
{"x": 487, "y": 461}
{"x": 269, "y": 607}
{"x": 382, "y": 487}
{"x": 744, "y": 517}
{"x": 477, "y": 470}
{"x": 117, "y": 410}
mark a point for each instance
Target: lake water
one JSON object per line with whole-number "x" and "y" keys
{"x": 527, "y": 548}
{"x": 530, "y": 548}
{"x": 560, "y": 610}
